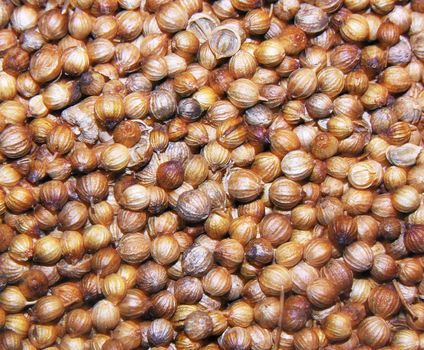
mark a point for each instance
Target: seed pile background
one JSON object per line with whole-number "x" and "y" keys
{"x": 235, "y": 174}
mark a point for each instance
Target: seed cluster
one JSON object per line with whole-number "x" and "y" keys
{"x": 204, "y": 175}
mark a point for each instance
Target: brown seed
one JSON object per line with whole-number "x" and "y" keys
{"x": 193, "y": 206}
{"x": 170, "y": 175}
{"x": 198, "y": 325}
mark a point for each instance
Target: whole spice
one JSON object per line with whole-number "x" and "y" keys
{"x": 230, "y": 174}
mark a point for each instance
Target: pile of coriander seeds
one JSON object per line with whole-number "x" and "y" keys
{"x": 206, "y": 175}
